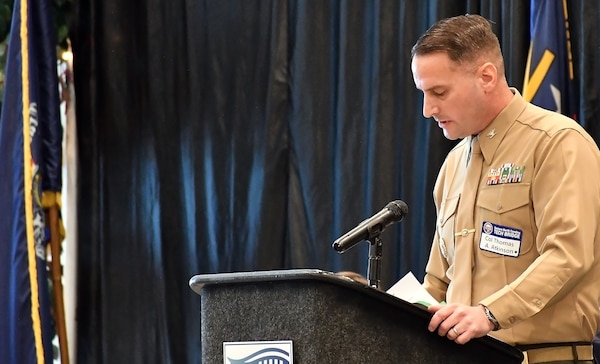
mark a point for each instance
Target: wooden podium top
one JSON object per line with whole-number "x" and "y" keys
{"x": 198, "y": 281}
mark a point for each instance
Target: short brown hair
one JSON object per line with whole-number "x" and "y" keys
{"x": 463, "y": 38}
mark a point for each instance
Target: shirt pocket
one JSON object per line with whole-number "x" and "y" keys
{"x": 508, "y": 205}
{"x": 445, "y": 227}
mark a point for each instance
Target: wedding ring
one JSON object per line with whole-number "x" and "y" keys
{"x": 454, "y": 329}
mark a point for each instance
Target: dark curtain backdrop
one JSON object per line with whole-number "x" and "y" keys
{"x": 240, "y": 135}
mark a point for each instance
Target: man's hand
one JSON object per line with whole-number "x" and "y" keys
{"x": 354, "y": 276}
{"x": 459, "y": 323}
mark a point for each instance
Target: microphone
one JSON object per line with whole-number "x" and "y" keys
{"x": 392, "y": 212}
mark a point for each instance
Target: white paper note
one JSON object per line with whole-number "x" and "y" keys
{"x": 410, "y": 289}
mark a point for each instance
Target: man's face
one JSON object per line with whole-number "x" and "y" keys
{"x": 451, "y": 94}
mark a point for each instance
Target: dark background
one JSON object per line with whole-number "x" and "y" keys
{"x": 240, "y": 135}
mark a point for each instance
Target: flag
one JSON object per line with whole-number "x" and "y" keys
{"x": 30, "y": 171}
{"x": 549, "y": 75}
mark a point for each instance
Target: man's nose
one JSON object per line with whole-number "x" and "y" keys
{"x": 429, "y": 108}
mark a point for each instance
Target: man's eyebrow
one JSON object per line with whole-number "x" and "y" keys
{"x": 433, "y": 88}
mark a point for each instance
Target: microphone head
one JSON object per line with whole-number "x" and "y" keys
{"x": 398, "y": 208}
{"x": 392, "y": 212}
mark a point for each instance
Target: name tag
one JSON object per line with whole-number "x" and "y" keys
{"x": 500, "y": 239}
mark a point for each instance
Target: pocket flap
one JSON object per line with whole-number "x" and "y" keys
{"x": 505, "y": 197}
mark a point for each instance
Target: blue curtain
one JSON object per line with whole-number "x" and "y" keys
{"x": 241, "y": 135}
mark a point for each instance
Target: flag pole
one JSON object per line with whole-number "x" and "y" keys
{"x": 56, "y": 271}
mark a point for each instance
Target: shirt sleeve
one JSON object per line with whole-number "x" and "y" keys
{"x": 435, "y": 281}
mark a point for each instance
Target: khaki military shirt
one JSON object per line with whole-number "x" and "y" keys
{"x": 535, "y": 259}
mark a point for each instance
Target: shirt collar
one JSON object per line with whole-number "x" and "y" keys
{"x": 491, "y": 137}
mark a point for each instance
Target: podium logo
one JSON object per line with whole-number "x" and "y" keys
{"x": 258, "y": 352}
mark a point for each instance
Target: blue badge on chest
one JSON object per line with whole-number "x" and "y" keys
{"x": 500, "y": 239}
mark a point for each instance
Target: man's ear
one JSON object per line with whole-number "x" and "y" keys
{"x": 488, "y": 76}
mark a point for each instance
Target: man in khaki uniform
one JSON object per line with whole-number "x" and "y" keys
{"x": 516, "y": 253}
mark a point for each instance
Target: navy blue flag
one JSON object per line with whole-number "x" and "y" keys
{"x": 30, "y": 163}
{"x": 549, "y": 74}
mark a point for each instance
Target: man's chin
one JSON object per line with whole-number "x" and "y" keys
{"x": 450, "y": 136}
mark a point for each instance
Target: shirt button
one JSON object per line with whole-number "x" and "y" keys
{"x": 537, "y": 303}
{"x": 511, "y": 319}
{"x": 499, "y": 207}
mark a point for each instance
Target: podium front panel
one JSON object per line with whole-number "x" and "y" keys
{"x": 331, "y": 321}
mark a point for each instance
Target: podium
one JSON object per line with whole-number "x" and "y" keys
{"x": 329, "y": 319}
